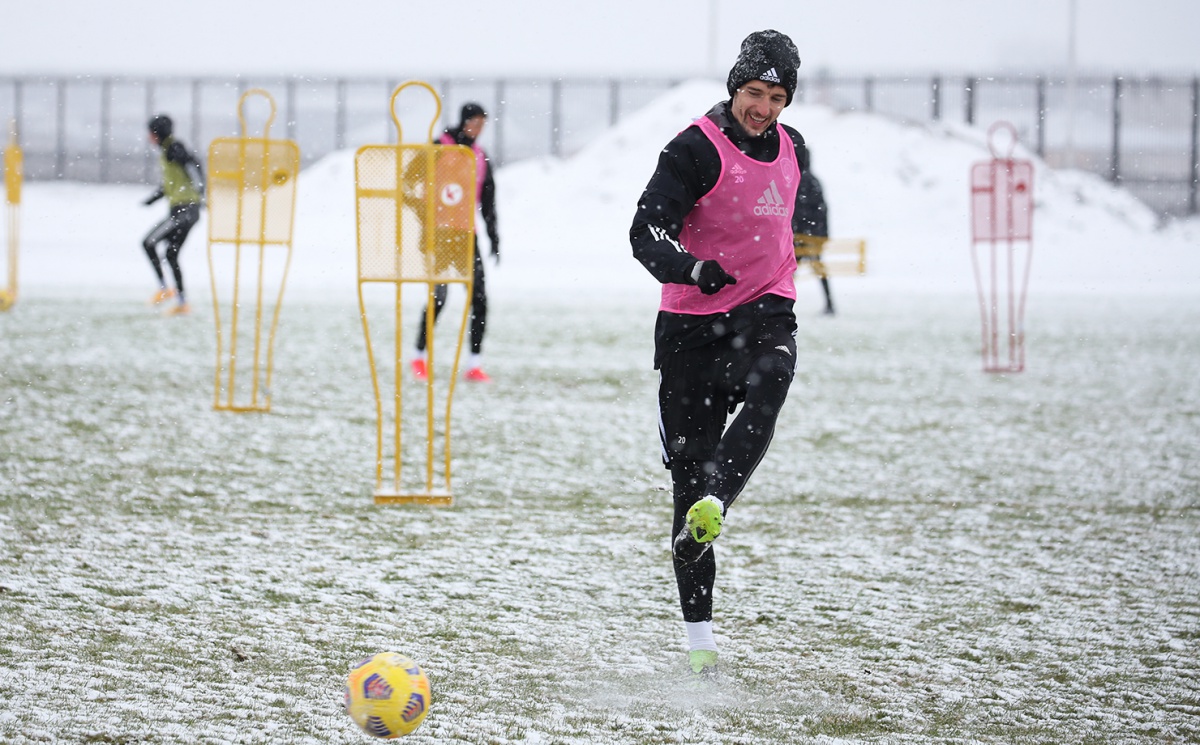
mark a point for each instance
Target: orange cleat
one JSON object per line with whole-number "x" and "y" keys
{"x": 162, "y": 295}
{"x": 419, "y": 370}
{"x": 183, "y": 309}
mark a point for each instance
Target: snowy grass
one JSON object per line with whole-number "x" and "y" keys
{"x": 928, "y": 553}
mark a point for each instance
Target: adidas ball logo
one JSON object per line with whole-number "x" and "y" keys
{"x": 770, "y": 76}
{"x": 771, "y": 203}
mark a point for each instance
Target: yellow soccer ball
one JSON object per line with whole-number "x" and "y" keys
{"x": 387, "y": 695}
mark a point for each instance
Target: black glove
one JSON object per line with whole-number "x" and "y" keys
{"x": 493, "y": 235}
{"x": 154, "y": 197}
{"x": 712, "y": 277}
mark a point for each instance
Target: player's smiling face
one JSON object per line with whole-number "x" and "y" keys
{"x": 756, "y": 105}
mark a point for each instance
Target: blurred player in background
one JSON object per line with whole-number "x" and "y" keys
{"x": 811, "y": 225}
{"x": 470, "y": 126}
{"x": 183, "y": 186}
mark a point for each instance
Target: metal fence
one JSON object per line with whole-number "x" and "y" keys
{"x": 1141, "y": 133}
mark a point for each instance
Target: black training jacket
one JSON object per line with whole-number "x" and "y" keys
{"x": 812, "y": 215}
{"x": 688, "y": 168}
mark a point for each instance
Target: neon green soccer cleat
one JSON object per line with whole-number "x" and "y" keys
{"x": 703, "y": 662}
{"x": 701, "y": 528}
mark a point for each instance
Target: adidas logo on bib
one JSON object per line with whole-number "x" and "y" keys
{"x": 770, "y": 76}
{"x": 771, "y": 202}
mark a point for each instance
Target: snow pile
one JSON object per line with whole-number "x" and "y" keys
{"x": 564, "y": 222}
{"x": 903, "y": 187}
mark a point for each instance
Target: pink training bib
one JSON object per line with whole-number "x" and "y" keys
{"x": 480, "y": 163}
{"x": 744, "y": 223}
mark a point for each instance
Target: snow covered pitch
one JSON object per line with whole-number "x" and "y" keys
{"x": 927, "y": 554}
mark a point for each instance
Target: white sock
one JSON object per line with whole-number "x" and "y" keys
{"x": 474, "y": 361}
{"x": 700, "y": 636}
{"x": 420, "y": 355}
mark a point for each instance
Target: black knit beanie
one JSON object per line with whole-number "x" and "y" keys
{"x": 470, "y": 111}
{"x": 161, "y": 127}
{"x": 768, "y": 56}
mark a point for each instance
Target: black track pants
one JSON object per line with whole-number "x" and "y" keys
{"x": 478, "y": 309}
{"x": 174, "y": 231}
{"x": 738, "y": 452}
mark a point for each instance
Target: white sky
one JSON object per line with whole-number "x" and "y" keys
{"x": 605, "y": 37}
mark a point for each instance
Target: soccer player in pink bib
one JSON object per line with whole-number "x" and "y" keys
{"x": 714, "y": 226}
{"x": 471, "y": 123}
